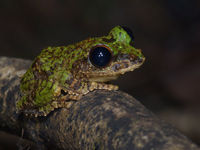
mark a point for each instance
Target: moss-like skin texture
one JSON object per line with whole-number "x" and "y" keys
{"x": 61, "y": 74}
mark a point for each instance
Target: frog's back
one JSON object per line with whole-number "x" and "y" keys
{"x": 48, "y": 72}
{"x": 45, "y": 65}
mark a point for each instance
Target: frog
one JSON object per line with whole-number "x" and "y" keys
{"x": 62, "y": 75}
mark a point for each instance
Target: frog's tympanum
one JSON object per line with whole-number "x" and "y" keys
{"x": 60, "y": 75}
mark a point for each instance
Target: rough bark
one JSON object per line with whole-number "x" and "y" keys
{"x": 100, "y": 120}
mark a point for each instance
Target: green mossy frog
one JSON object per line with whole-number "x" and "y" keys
{"x": 60, "y": 75}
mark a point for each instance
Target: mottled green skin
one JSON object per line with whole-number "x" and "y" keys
{"x": 57, "y": 67}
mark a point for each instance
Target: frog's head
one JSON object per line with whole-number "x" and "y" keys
{"x": 112, "y": 55}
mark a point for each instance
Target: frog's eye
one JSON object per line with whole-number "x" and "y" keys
{"x": 129, "y": 32}
{"x": 100, "y": 56}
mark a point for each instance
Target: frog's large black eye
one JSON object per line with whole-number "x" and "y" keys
{"x": 100, "y": 56}
{"x": 129, "y": 32}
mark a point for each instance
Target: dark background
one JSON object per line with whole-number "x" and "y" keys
{"x": 167, "y": 31}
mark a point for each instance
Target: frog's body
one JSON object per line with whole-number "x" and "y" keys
{"x": 61, "y": 74}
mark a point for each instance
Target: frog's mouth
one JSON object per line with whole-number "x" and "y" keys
{"x": 114, "y": 70}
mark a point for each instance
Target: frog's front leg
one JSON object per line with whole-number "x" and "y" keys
{"x": 79, "y": 88}
{"x": 101, "y": 86}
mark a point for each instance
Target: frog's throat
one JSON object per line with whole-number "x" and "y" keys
{"x": 108, "y": 76}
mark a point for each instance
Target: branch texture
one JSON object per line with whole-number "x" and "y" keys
{"x": 107, "y": 120}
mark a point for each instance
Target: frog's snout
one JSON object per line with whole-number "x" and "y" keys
{"x": 137, "y": 60}
{"x": 131, "y": 58}
{"x": 127, "y": 62}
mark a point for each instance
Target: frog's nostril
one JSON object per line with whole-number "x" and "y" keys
{"x": 141, "y": 60}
